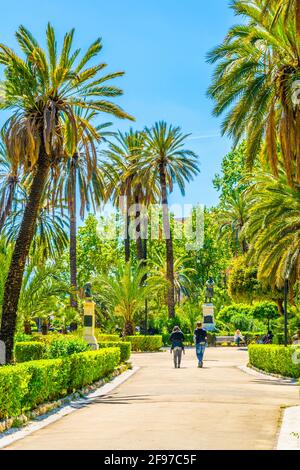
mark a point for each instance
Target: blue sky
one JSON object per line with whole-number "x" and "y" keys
{"x": 161, "y": 45}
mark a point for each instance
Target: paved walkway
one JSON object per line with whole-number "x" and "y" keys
{"x": 217, "y": 407}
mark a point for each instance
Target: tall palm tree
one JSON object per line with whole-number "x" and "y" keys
{"x": 233, "y": 215}
{"x": 127, "y": 186}
{"x": 168, "y": 162}
{"x": 273, "y": 229}
{"x": 42, "y": 90}
{"x": 81, "y": 176}
{"x": 258, "y": 65}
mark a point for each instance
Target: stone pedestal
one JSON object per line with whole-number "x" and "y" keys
{"x": 208, "y": 317}
{"x": 89, "y": 324}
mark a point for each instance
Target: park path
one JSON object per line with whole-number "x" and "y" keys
{"x": 217, "y": 407}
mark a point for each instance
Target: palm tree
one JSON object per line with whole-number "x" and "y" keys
{"x": 182, "y": 275}
{"x": 286, "y": 8}
{"x": 168, "y": 162}
{"x": 50, "y": 235}
{"x": 42, "y": 90}
{"x": 123, "y": 293}
{"x": 258, "y": 65}
{"x": 273, "y": 229}
{"x": 82, "y": 175}
{"x": 127, "y": 185}
{"x": 233, "y": 215}
{"x": 41, "y": 290}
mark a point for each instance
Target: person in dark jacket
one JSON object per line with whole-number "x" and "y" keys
{"x": 177, "y": 347}
{"x": 200, "y": 337}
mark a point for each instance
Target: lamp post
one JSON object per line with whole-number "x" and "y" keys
{"x": 286, "y": 291}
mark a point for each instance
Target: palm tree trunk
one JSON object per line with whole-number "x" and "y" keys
{"x": 127, "y": 225}
{"x": 138, "y": 235}
{"x": 128, "y": 328}
{"x": 169, "y": 243}
{"x": 45, "y": 327}
{"x": 245, "y": 247}
{"x": 21, "y": 250}
{"x": 127, "y": 238}
{"x": 27, "y": 327}
{"x": 73, "y": 240}
{"x": 8, "y": 206}
{"x": 144, "y": 281}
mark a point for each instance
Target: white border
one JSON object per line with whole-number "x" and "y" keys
{"x": 290, "y": 424}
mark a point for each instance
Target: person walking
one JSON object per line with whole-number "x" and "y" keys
{"x": 177, "y": 346}
{"x": 200, "y": 337}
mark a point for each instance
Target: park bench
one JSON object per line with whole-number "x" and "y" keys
{"x": 227, "y": 339}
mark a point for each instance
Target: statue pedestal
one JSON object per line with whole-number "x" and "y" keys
{"x": 208, "y": 317}
{"x": 89, "y": 324}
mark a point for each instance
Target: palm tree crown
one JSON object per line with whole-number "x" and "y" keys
{"x": 258, "y": 65}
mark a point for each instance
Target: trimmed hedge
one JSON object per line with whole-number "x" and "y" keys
{"x": 59, "y": 347}
{"x": 27, "y": 385}
{"x": 103, "y": 337}
{"x": 125, "y": 348}
{"x": 275, "y": 359}
{"x": 30, "y": 351}
{"x": 140, "y": 343}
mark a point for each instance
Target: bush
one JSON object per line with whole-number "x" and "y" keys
{"x": 145, "y": 343}
{"x": 29, "y": 351}
{"x": 274, "y": 359}
{"x": 226, "y": 313}
{"x": 102, "y": 337}
{"x": 25, "y": 386}
{"x": 64, "y": 346}
{"x": 125, "y": 348}
{"x": 90, "y": 366}
{"x": 20, "y": 337}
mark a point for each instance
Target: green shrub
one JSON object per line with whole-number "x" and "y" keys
{"x": 64, "y": 346}
{"x": 20, "y": 337}
{"x": 226, "y": 313}
{"x": 145, "y": 343}
{"x": 103, "y": 337}
{"x": 29, "y": 351}
{"x": 125, "y": 348}
{"x": 274, "y": 359}
{"x": 24, "y": 386}
{"x": 87, "y": 367}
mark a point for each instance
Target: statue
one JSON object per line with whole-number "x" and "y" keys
{"x": 88, "y": 290}
{"x": 209, "y": 291}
